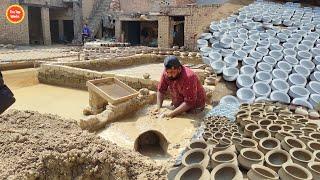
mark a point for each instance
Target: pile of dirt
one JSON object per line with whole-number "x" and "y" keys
{"x": 37, "y": 146}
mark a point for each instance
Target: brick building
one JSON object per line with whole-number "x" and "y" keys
{"x": 162, "y": 23}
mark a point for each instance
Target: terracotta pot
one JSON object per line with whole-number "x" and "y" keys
{"x": 217, "y": 135}
{"x": 225, "y": 141}
{"x": 274, "y": 128}
{"x": 250, "y": 156}
{"x": 236, "y": 134}
{"x": 268, "y": 144}
{"x": 264, "y": 123}
{"x": 298, "y": 116}
{"x": 249, "y": 128}
{"x": 287, "y": 127}
{"x": 220, "y": 147}
{"x": 194, "y": 171}
{"x": 316, "y": 155}
{"x": 315, "y": 135}
{"x": 226, "y": 171}
{"x": 259, "y": 134}
{"x": 261, "y": 172}
{"x": 227, "y": 135}
{"x": 281, "y": 122}
{"x": 306, "y": 139}
{"x": 214, "y": 130}
{"x": 307, "y": 130}
{"x": 313, "y": 146}
{"x": 275, "y": 158}
{"x": 246, "y": 143}
{"x": 244, "y": 122}
{"x": 289, "y": 121}
{"x": 206, "y": 135}
{"x": 223, "y": 157}
{"x": 314, "y": 168}
{"x": 290, "y": 142}
{"x": 297, "y": 132}
{"x": 301, "y": 156}
{"x": 196, "y": 156}
{"x": 280, "y": 135}
{"x": 240, "y": 117}
{"x": 291, "y": 171}
{"x": 198, "y": 144}
{"x": 302, "y": 120}
{"x": 223, "y": 129}
{"x": 312, "y": 125}
{"x": 272, "y": 117}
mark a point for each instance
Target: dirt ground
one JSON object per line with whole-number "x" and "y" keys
{"x": 46, "y": 146}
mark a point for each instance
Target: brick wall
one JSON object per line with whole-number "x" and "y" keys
{"x": 164, "y": 35}
{"x": 12, "y": 33}
{"x": 45, "y": 20}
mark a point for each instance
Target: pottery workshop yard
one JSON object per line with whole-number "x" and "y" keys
{"x": 85, "y": 103}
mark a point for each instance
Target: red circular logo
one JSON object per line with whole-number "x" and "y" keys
{"x": 15, "y": 14}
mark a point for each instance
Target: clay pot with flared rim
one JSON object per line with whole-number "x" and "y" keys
{"x": 264, "y": 123}
{"x": 305, "y": 139}
{"x": 225, "y": 141}
{"x": 261, "y": 172}
{"x": 196, "y": 156}
{"x": 281, "y": 122}
{"x": 298, "y": 116}
{"x": 214, "y": 130}
{"x": 223, "y": 129}
{"x": 274, "y": 128}
{"x": 212, "y": 142}
{"x": 259, "y": 134}
{"x": 226, "y": 171}
{"x": 272, "y": 117}
{"x": 314, "y": 168}
{"x": 220, "y": 147}
{"x": 236, "y": 140}
{"x": 280, "y": 135}
{"x": 307, "y": 130}
{"x": 217, "y": 135}
{"x": 290, "y": 142}
{"x": 250, "y": 156}
{"x": 268, "y": 144}
{"x": 249, "y": 128}
{"x": 313, "y": 146}
{"x": 301, "y": 156}
{"x": 221, "y": 157}
{"x": 275, "y": 158}
{"x": 236, "y": 134}
{"x": 316, "y": 155}
{"x": 194, "y": 171}
{"x": 315, "y": 135}
{"x": 244, "y": 122}
{"x": 287, "y": 127}
{"x": 246, "y": 143}
{"x": 296, "y": 132}
{"x": 289, "y": 121}
{"x": 312, "y": 125}
{"x": 292, "y": 171}
{"x": 206, "y": 135}
{"x": 201, "y": 144}
{"x": 227, "y": 135}
{"x": 302, "y": 120}
{"x": 240, "y": 117}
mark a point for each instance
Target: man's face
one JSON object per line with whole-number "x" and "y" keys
{"x": 173, "y": 73}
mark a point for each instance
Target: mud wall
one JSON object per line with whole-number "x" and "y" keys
{"x": 76, "y": 74}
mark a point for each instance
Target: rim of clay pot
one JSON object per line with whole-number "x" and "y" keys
{"x": 229, "y": 167}
{"x": 289, "y": 168}
{"x": 300, "y": 155}
{"x": 227, "y": 134}
{"x": 296, "y": 131}
{"x": 315, "y": 135}
{"x": 285, "y": 133}
{"x": 251, "y": 127}
{"x": 256, "y": 135}
{"x": 312, "y": 125}
{"x": 236, "y": 134}
{"x": 201, "y": 144}
{"x": 203, "y": 160}
{"x": 217, "y": 135}
{"x": 186, "y": 171}
{"x": 314, "y": 167}
{"x": 287, "y": 127}
{"x": 224, "y": 157}
{"x": 280, "y": 122}
{"x": 225, "y": 141}
{"x": 273, "y": 156}
{"x": 272, "y": 117}
{"x": 275, "y": 143}
{"x": 274, "y": 128}
{"x": 313, "y": 146}
{"x": 264, "y": 172}
{"x": 316, "y": 154}
{"x": 294, "y": 142}
{"x": 263, "y": 122}
{"x": 259, "y": 156}
{"x": 212, "y": 141}
{"x": 248, "y": 143}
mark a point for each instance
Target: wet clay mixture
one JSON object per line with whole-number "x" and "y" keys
{"x": 36, "y": 146}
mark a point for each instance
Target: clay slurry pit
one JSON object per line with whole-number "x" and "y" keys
{"x": 151, "y": 143}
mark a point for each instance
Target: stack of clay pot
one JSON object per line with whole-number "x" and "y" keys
{"x": 267, "y": 141}
{"x": 211, "y": 77}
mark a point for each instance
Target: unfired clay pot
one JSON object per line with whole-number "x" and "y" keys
{"x": 306, "y": 139}
{"x": 196, "y": 156}
{"x": 246, "y": 143}
{"x": 280, "y": 135}
{"x": 275, "y": 158}
{"x": 261, "y": 172}
{"x": 290, "y": 142}
{"x": 313, "y": 146}
{"x": 316, "y": 155}
{"x": 274, "y": 128}
{"x": 301, "y": 156}
{"x": 223, "y": 157}
{"x": 249, "y": 128}
{"x": 194, "y": 171}
{"x": 268, "y": 144}
{"x": 259, "y": 134}
{"x": 315, "y": 135}
{"x": 198, "y": 144}
{"x": 226, "y": 171}
{"x": 220, "y": 147}
{"x": 264, "y": 123}
{"x": 314, "y": 168}
{"x": 291, "y": 171}
{"x": 250, "y": 156}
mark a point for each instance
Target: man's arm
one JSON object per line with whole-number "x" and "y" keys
{"x": 160, "y": 98}
{"x": 184, "y": 107}
{"x": 162, "y": 88}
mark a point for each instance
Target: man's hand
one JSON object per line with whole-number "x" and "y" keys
{"x": 155, "y": 111}
{"x": 166, "y": 115}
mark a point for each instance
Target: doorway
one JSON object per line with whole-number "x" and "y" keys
{"x": 178, "y": 31}
{"x": 68, "y": 30}
{"x": 35, "y": 25}
{"x": 54, "y": 30}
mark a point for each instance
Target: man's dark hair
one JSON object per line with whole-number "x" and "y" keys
{"x": 171, "y": 62}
